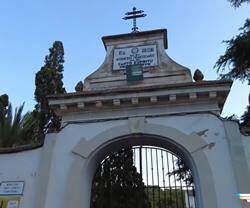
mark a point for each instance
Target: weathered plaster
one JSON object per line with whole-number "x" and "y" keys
{"x": 167, "y": 69}
{"x": 44, "y": 170}
{"x": 238, "y": 158}
{"x": 92, "y": 153}
{"x": 167, "y": 110}
{"x": 22, "y": 166}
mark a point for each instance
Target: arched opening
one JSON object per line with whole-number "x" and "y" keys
{"x": 143, "y": 171}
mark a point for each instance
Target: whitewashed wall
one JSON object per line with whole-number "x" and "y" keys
{"x": 22, "y": 166}
{"x": 27, "y": 165}
{"x": 246, "y": 142}
{"x": 212, "y": 127}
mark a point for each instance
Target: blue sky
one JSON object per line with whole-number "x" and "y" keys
{"x": 28, "y": 28}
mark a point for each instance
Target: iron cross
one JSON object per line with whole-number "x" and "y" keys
{"x": 134, "y": 15}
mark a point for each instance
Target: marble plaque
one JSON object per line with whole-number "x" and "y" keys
{"x": 145, "y": 55}
{"x": 11, "y": 187}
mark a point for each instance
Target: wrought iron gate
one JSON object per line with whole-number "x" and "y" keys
{"x": 167, "y": 181}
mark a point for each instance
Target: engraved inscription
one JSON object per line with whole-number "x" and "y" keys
{"x": 143, "y": 55}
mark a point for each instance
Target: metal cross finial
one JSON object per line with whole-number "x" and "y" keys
{"x": 134, "y": 15}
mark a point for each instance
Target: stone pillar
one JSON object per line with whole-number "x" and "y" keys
{"x": 78, "y": 191}
{"x": 238, "y": 158}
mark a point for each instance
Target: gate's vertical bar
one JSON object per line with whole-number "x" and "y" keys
{"x": 193, "y": 192}
{"x": 146, "y": 152}
{"x": 188, "y": 195}
{"x": 163, "y": 180}
{"x": 134, "y": 152}
{"x": 140, "y": 159}
{"x": 176, "y": 193}
{"x": 158, "y": 179}
{"x": 152, "y": 172}
{"x": 182, "y": 196}
{"x": 169, "y": 177}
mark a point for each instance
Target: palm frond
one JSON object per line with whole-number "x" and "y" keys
{"x": 9, "y": 114}
{"x": 17, "y": 129}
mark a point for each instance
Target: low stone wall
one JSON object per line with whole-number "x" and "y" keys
{"x": 16, "y": 149}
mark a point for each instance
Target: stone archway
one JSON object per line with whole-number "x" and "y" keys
{"x": 137, "y": 132}
{"x": 143, "y": 176}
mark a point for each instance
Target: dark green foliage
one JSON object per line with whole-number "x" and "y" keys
{"x": 237, "y": 56}
{"x": 31, "y": 128}
{"x": 49, "y": 82}
{"x": 117, "y": 184}
{"x": 4, "y": 99}
{"x": 237, "y": 3}
{"x": 232, "y": 118}
{"x": 15, "y": 129}
{"x": 160, "y": 198}
{"x": 182, "y": 172}
{"x": 55, "y": 60}
{"x": 237, "y": 60}
{"x": 4, "y": 102}
{"x": 245, "y": 118}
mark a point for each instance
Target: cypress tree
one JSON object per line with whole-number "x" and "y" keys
{"x": 48, "y": 81}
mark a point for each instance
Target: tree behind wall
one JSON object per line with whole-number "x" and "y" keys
{"x": 245, "y": 118}
{"x": 15, "y": 129}
{"x": 117, "y": 184}
{"x": 237, "y": 3}
{"x": 182, "y": 172}
{"x": 4, "y": 101}
{"x": 236, "y": 60}
{"x": 235, "y": 63}
{"x": 48, "y": 81}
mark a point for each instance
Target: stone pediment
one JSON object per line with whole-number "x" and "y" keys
{"x": 146, "y": 48}
{"x": 166, "y": 87}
